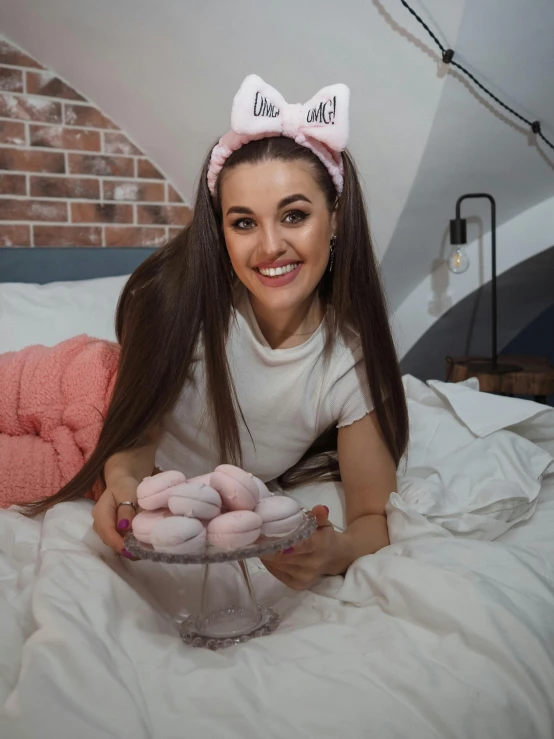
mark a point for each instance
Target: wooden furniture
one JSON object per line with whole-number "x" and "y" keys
{"x": 535, "y": 378}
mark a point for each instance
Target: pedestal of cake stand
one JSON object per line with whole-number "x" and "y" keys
{"x": 229, "y": 612}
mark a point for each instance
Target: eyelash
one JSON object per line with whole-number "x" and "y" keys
{"x": 300, "y": 213}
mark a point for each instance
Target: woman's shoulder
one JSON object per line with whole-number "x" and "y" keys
{"x": 347, "y": 342}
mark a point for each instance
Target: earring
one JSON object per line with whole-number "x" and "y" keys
{"x": 333, "y": 244}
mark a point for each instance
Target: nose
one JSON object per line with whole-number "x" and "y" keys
{"x": 271, "y": 245}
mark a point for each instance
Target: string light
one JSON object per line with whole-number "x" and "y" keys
{"x": 448, "y": 58}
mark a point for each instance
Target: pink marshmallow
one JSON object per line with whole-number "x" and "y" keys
{"x": 201, "y": 479}
{"x": 277, "y": 507}
{"x": 283, "y": 526}
{"x": 262, "y": 488}
{"x": 153, "y": 492}
{"x": 233, "y": 541}
{"x": 144, "y": 521}
{"x": 178, "y": 535}
{"x": 195, "y": 500}
{"x": 280, "y": 515}
{"x": 234, "y": 529}
{"x": 237, "y": 488}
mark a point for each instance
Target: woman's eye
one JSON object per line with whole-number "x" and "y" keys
{"x": 295, "y": 216}
{"x": 243, "y": 224}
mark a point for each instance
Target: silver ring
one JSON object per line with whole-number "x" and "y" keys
{"x": 127, "y": 502}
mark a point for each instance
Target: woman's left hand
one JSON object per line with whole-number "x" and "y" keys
{"x": 302, "y": 565}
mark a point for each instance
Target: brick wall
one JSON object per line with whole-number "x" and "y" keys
{"x": 68, "y": 175}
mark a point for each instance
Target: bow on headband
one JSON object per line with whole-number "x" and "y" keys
{"x": 259, "y": 111}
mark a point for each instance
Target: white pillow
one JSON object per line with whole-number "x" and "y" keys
{"x": 47, "y": 314}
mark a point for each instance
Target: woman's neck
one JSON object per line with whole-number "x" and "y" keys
{"x": 285, "y": 329}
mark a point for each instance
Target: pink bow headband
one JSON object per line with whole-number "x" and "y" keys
{"x": 260, "y": 111}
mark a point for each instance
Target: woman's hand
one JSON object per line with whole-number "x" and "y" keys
{"x": 112, "y": 523}
{"x": 302, "y": 565}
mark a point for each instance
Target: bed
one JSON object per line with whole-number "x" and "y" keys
{"x": 448, "y": 632}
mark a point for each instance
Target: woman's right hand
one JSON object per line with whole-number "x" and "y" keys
{"x": 111, "y": 522}
{"x": 122, "y": 472}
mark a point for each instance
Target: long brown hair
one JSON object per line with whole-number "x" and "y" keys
{"x": 168, "y": 305}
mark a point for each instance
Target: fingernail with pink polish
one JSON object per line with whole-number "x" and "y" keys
{"x": 123, "y": 524}
{"x": 290, "y": 550}
{"x": 127, "y": 554}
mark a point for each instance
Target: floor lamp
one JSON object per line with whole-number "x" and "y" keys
{"x": 459, "y": 262}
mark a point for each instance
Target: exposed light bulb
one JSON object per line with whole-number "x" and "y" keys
{"x": 458, "y": 261}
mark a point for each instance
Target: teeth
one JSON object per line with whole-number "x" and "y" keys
{"x": 278, "y": 271}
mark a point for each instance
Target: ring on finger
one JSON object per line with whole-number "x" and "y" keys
{"x": 127, "y": 502}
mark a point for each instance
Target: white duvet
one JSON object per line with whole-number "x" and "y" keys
{"x": 448, "y": 632}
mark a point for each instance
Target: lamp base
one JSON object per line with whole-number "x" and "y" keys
{"x": 493, "y": 368}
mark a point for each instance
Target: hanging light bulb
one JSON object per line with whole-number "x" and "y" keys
{"x": 458, "y": 261}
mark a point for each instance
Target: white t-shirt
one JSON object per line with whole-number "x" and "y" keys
{"x": 288, "y": 397}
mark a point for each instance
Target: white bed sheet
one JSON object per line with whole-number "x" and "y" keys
{"x": 437, "y": 635}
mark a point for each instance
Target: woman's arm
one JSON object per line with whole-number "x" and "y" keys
{"x": 368, "y": 474}
{"x": 127, "y": 469}
{"x": 369, "y": 477}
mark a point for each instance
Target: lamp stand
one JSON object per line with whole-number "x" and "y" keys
{"x": 458, "y": 236}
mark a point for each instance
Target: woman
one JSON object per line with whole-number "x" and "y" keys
{"x": 259, "y": 337}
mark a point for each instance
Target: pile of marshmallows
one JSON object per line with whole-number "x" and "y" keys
{"x": 228, "y": 508}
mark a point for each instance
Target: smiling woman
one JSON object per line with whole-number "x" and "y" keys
{"x": 272, "y": 267}
{"x": 282, "y": 240}
{"x": 267, "y": 312}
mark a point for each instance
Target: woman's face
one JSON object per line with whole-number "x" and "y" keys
{"x": 275, "y": 217}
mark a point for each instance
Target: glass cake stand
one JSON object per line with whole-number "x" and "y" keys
{"x": 228, "y": 612}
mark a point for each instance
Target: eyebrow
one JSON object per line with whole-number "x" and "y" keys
{"x": 281, "y": 204}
